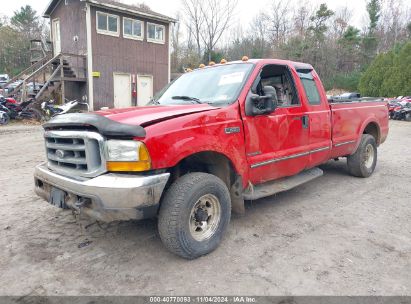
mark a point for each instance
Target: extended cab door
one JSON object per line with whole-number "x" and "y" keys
{"x": 277, "y": 143}
{"x": 319, "y": 115}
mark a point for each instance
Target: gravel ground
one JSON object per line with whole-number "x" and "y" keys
{"x": 337, "y": 235}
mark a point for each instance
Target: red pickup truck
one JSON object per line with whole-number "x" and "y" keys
{"x": 211, "y": 139}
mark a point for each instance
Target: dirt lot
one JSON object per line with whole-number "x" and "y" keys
{"x": 337, "y": 235}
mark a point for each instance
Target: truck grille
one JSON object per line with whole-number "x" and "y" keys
{"x": 75, "y": 153}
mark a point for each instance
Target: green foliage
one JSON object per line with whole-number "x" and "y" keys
{"x": 374, "y": 10}
{"x": 15, "y": 39}
{"x": 26, "y": 21}
{"x": 389, "y": 74}
{"x": 214, "y": 56}
{"x": 14, "y": 53}
{"x": 370, "y": 41}
{"x": 319, "y": 20}
{"x": 351, "y": 36}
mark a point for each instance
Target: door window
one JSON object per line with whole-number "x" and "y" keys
{"x": 310, "y": 88}
{"x": 278, "y": 77}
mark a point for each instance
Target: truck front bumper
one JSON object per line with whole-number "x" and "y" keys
{"x": 108, "y": 197}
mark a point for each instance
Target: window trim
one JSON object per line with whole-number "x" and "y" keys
{"x": 153, "y": 40}
{"x": 107, "y": 32}
{"x": 134, "y": 37}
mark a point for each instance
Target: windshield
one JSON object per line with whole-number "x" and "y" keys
{"x": 216, "y": 85}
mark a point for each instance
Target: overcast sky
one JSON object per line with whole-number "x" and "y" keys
{"x": 245, "y": 11}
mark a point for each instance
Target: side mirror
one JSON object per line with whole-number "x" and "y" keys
{"x": 259, "y": 105}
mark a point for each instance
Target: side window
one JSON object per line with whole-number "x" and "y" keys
{"x": 132, "y": 28}
{"x": 155, "y": 33}
{"x": 108, "y": 24}
{"x": 278, "y": 77}
{"x": 310, "y": 88}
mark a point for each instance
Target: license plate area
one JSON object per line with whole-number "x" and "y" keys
{"x": 58, "y": 198}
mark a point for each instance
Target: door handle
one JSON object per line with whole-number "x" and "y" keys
{"x": 305, "y": 121}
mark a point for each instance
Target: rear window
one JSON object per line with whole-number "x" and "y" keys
{"x": 310, "y": 88}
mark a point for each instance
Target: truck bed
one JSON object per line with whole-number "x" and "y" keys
{"x": 348, "y": 119}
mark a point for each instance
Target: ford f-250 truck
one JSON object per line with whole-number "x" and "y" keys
{"x": 211, "y": 139}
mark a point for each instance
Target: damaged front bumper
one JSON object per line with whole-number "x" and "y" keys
{"x": 108, "y": 197}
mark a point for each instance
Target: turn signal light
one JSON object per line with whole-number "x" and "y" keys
{"x": 137, "y": 166}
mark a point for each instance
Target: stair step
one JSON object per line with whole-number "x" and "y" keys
{"x": 281, "y": 185}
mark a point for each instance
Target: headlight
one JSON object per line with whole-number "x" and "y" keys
{"x": 127, "y": 155}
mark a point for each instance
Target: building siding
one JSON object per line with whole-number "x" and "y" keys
{"x": 122, "y": 55}
{"x": 72, "y": 17}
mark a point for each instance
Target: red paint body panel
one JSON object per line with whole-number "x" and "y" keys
{"x": 268, "y": 146}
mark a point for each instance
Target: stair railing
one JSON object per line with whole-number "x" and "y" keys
{"x": 23, "y": 96}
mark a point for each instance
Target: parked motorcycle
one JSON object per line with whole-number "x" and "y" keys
{"x": 22, "y": 110}
{"x": 71, "y": 106}
{"x": 4, "y": 118}
{"x": 392, "y": 107}
{"x": 403, "y": 112}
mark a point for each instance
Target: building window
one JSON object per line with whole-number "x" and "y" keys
{"x": 107, "y": 24}
{"x": 155, "y": 33}
{"x": 133, "y": 29}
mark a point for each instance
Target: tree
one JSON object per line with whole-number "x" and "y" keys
{"x": 349, "y": 49}
{"x": 370, "y": 40}
{"x": 27, "y": 22}
{"x": 175, "y": 44}
{"x": 278, "y": 21}
{"x": 302, "y": 19}
{"x": 319, "y": 22}
{"x": 217, "y": 19}
{"x": 194, "y": 21}
{"x": 389, "y": 74}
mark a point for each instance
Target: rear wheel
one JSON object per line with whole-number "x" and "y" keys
{"x": 362, "y": 163}
{"x": 194, "y": 215}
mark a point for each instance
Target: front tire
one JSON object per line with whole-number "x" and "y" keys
{"x": 362, "y": 163}
{"x": 194, "y": 215}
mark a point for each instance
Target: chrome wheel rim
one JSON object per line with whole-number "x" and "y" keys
{"x": 205, "y": 217}
{"x": 369, "y": 156}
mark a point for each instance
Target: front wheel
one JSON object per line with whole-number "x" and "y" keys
{"x": 194, "y": 215}
{"x": 4, "y": 118}
{"x": 362, "y": 163}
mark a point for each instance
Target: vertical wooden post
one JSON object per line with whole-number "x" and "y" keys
{"x": 62, "y": 79}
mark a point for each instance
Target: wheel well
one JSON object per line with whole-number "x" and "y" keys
{"x": 207, "y": 162}
{"x": 373, "y": 129}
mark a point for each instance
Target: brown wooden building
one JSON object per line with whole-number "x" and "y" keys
{"x": 127, "y": 49}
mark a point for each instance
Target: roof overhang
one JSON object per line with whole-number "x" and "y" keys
{"x": 53, "y": 3}
{"x": 50, "y": 7}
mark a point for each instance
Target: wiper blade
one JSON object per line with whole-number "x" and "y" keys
{"x": 187, "y": 98}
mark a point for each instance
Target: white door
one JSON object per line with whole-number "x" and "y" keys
{"x": 144, "y": 89}
{"x": 122, "y": 90}
{"x": 56, "y": 36}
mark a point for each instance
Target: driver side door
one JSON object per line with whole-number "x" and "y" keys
{"x": 277, "y": 143}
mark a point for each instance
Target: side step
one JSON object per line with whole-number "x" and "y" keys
{"x": 280, "y": 185}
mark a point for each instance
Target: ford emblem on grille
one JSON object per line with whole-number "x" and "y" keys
{"x": 60, "y": 153}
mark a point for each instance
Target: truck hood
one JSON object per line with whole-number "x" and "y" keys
{"x": 145, "y": 116}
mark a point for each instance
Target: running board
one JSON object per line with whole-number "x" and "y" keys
{"x": 280, "y": 185}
